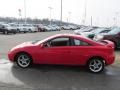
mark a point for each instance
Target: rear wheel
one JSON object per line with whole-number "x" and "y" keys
{"x": 18, "y": 31}
{"x": 14, "y": 32}
{"x": 95, "y": 65}
{"x": 30, "y": 30}
{"x": 23, "y": 60}
{"x": 5, "y": 32}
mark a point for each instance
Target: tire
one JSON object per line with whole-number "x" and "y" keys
{"x": 95, "y": 65}
{"x": 23, "y": 60}
{"x": 18, "y": 31}
{"x": 14, "y": 32}
{"x": 24, "y": 31}
{"x": 5, "y": 32}
{"x": 30, "y": 31}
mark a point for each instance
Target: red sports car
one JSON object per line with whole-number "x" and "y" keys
{"x": 64, "y": 49}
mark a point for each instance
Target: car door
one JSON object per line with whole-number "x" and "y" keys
{"x": 79, "y": 52}
{"x": 55, "y": 51}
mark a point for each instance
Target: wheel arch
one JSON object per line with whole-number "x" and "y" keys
{"x": 23, "y": 53}
{"x": 100, "y": 57}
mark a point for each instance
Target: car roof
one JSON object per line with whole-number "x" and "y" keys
{"x": 76, "y": 36}
{"x": 66, "y": 34}
{"x": 80, "y": 37}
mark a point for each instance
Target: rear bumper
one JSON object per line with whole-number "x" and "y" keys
{"x": 110, "y": 60}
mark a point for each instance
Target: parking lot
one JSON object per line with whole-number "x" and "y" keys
{"x": 50, "y": 77}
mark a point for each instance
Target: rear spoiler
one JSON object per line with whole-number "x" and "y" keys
{"x": 108, "y": 43}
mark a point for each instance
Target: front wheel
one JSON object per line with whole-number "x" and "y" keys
{"x": 23, "y": 60}
{"x": 95, "y": 65}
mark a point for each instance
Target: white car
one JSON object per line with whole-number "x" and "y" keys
{"x": 30, "y": 28}
{"x": 26, "y": 28}
{"x": 84, "y": 29}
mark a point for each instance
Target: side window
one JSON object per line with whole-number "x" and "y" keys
{"x": 80, "y": 43}
{"x": 61, "y": 41}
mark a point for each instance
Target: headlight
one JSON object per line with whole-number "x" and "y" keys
{"x": 98, "y": 37}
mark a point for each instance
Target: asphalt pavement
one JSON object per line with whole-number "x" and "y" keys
{"x": 52, "y": 77}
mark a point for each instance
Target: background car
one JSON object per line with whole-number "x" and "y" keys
{"x": 113, "y": 35}
{"x": 64, "y": 49}
{"x": 30, "y": 28}
{"x": 83, "y": 29}
{"x": 93, "y": 32}
{"x": 6, "y": 29}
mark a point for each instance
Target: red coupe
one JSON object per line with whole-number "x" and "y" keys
{"x": 64, "y": 49}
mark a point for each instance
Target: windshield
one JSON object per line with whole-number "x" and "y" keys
{"x": 96, "y": 31}
{"x": 114, "y": 31}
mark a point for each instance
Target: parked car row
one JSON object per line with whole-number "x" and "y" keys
{"x": 17, "y": 28}
{"x": 113, "y": 35}
{"x": 44, "y": 28}
{"x": 24, "y": 28}
{"x": 98, "y": 34}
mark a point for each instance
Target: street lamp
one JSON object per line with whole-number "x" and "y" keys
{"x": 50, "y": 15}
{"x": 116, "y": 13}
{"x": 69, "y": 16}
{"x": 20, "y": 15}
{"x": 61, "y": 16}
{"x": 85, "y": 13}
{"x": 91, "y": 21}
{"x": 25, "y": 11}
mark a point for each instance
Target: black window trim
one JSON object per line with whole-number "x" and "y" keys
{"x": 70, "y": 42}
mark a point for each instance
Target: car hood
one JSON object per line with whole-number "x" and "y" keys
{"x": 25, "y": 44}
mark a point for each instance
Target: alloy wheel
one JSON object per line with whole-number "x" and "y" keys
{"x": 96, "y": 65}
{"x": 23, "y": 60}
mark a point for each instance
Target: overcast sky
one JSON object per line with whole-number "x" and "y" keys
{"x": 102, "y": 11}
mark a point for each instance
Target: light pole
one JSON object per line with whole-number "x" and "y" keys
{"x": 69, "y": 16}
{"x": 50, "y": 15}
{"x": 116, "y": 13}
{"x": 61, "y": 16}
{"x": 19, "y": 13}
{"x": 114, "y": 20}
{"x": 25, "y": 11}
{"x": 85, "y": 13}
{"x": 91, "y": 21}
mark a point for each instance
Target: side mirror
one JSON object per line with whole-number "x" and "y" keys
{"x": 44, "y": 45}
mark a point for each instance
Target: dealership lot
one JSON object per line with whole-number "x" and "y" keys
{"x": 52, "y": 77}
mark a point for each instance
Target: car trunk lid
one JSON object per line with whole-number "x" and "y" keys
{"x": 108, "y": 43}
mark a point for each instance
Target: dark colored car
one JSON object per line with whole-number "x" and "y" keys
{"x": 6, "y": 29}
{"x": 113, "y": 35}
